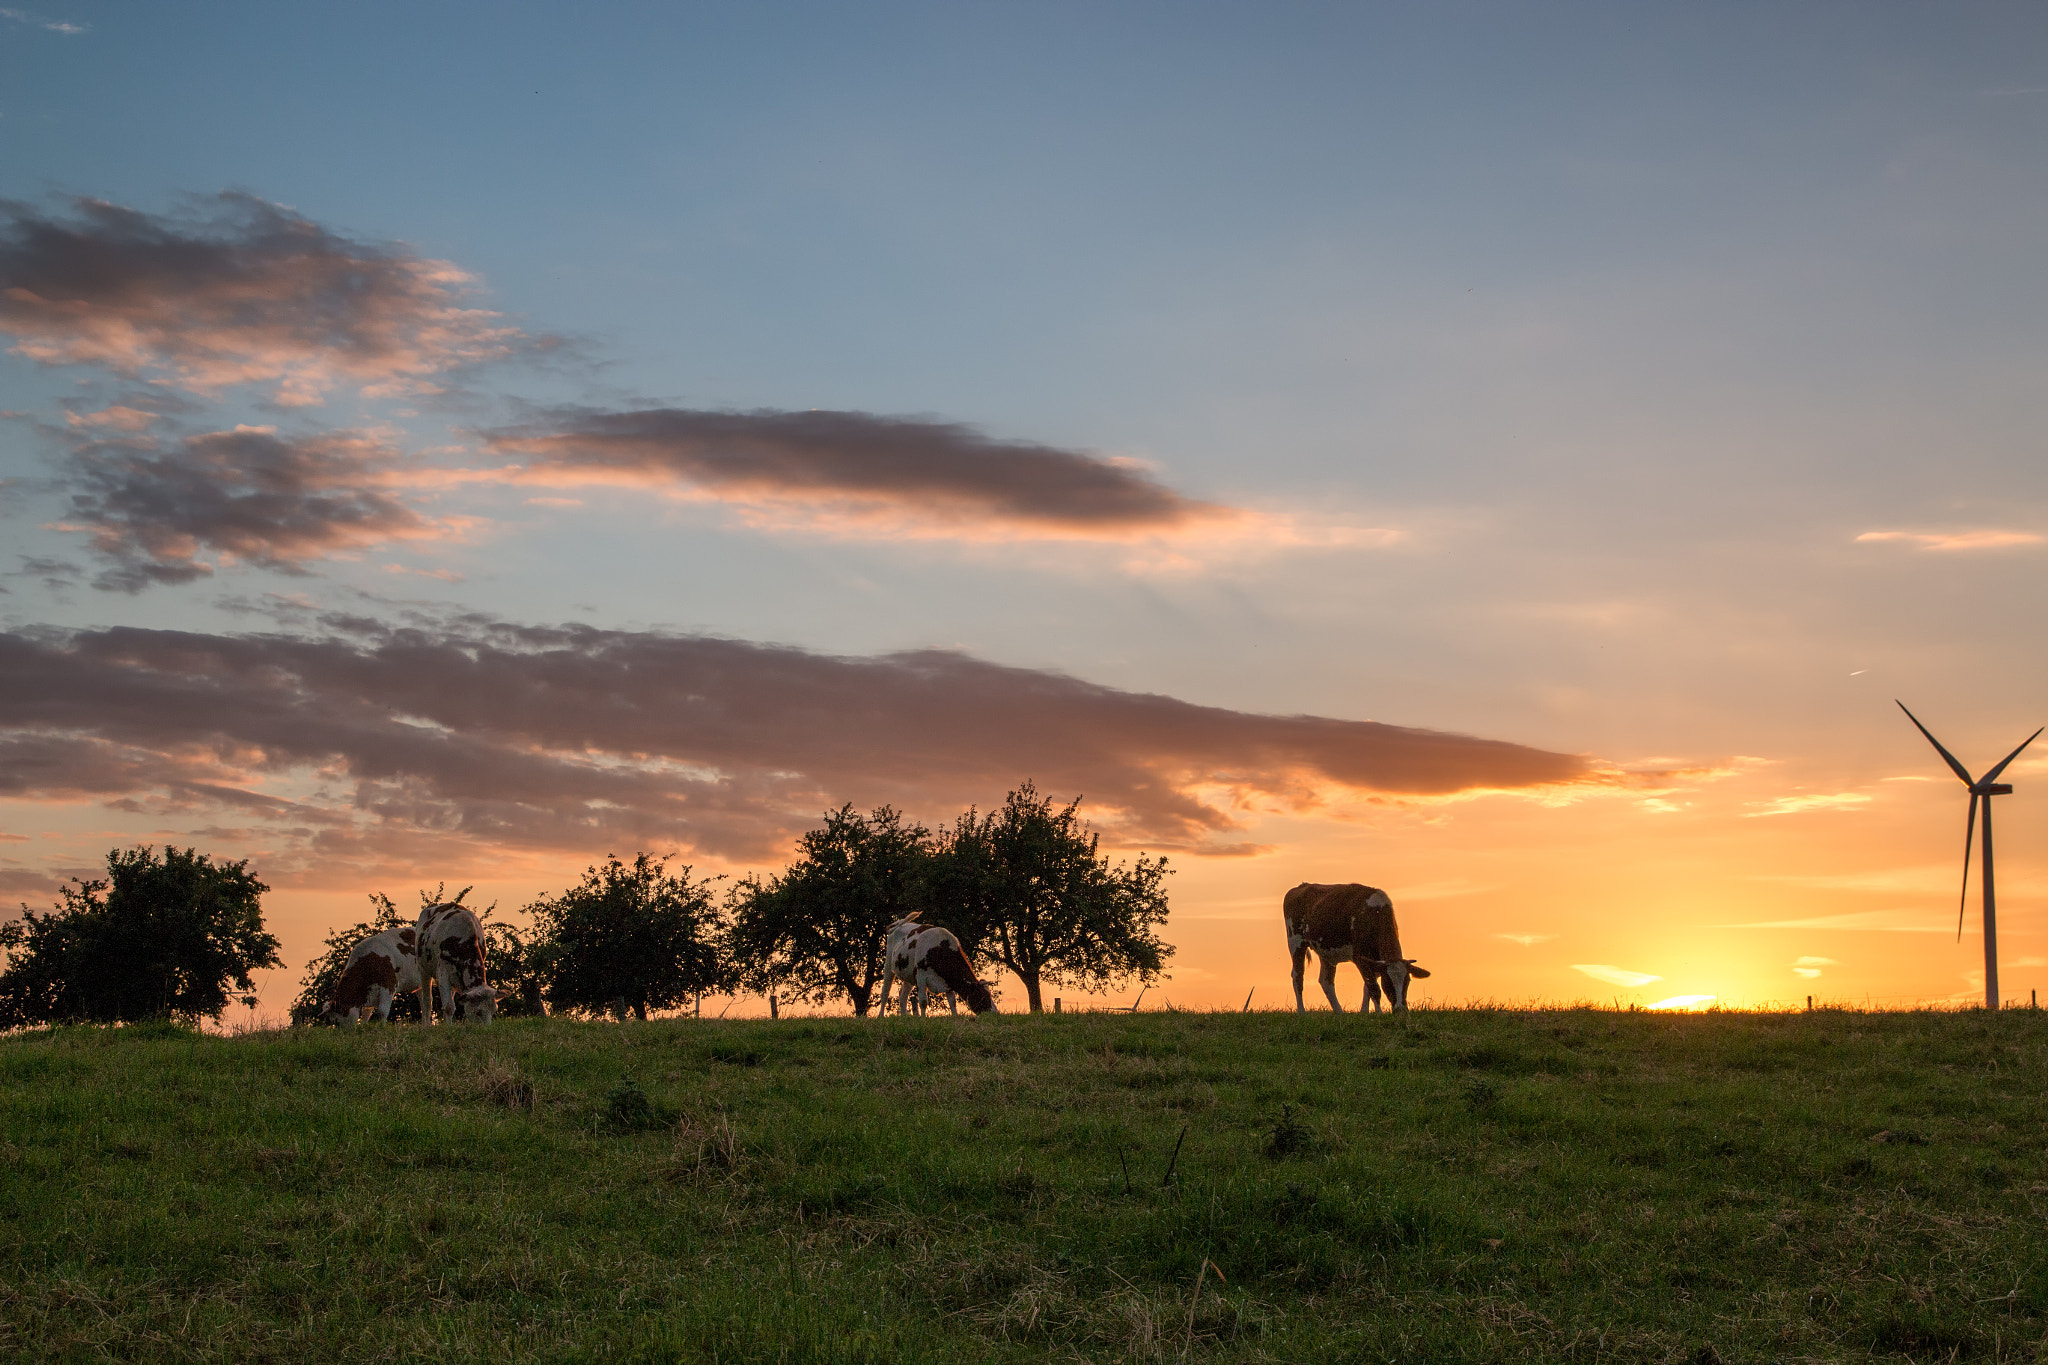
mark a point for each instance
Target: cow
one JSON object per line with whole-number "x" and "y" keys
{"x": 1348, "y": 923}
{"x": 379, "y": 969}
{"x": 929, "y": 961}
{"x": 941, "y": 965}
{"x": 451, "y": 940}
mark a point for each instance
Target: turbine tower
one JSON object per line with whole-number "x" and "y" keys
{"x": 1981, "y": 789}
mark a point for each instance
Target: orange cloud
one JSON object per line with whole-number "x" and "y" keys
{"x": 1615, "y": 976}
{"x": 1955, "y": 540}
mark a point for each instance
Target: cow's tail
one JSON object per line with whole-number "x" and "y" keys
{"x": 953, "y": 969}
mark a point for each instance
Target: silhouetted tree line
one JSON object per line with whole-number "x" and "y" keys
{"x": 1024, "y": 887}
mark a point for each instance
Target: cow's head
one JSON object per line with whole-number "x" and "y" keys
{"x": 336, "y": 1015}
{"x": 1397, "y": 971}
{"x": 479, "y": 1004}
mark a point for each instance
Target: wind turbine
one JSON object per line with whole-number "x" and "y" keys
{"x": 1981, "y": 789}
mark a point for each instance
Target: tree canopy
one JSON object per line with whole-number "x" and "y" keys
{"x": 158, "y": 937}
{"x": 630, "y": 931}
{"x": 817, "y": 930}
{"x": 1029, "y": 889}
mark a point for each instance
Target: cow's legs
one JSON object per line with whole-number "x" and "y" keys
{"x": 1372, "y": 989}
{"x": 1327, "y": 979}
{"x": 1300, "y": 951}
{"x": 952, "y": 1002}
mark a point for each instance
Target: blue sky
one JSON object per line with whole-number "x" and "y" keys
{"x": 1556, "y": 357}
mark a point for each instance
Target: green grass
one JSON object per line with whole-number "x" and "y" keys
{"x": 1472, "y": 1185}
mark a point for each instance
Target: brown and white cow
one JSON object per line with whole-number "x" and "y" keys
{"x": 1348, "y": 923}
{"x": 379, "y": 969}
{"x": 451, "y": 941}
{"x": 928, "y": 961}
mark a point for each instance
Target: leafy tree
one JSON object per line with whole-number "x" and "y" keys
{"x": 817, "y": 930}
{"x": 505, "y": 951}
{"x": 157, "y": 938}
{"x": 1030, "y": 890}
{"x": 634, "y": 932}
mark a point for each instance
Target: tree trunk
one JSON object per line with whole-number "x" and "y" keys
{"x": 1031, "y": 991}
{"x": 640, "y": 1010}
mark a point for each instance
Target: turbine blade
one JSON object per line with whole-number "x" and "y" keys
{"x": 1992, "y": 776}
{"x": 1969, "y": 833}
{"x": 1959, "y": 769}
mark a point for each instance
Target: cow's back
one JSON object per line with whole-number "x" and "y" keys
{"x": 1345, "y": 914}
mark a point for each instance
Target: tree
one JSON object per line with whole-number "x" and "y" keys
{"x": 634, "y": 932}
{"x": 1030, "y": 890}
{"x": 157, "y": 938}
{"x": 505, "y": 952}
{"x": 817, "y": 930}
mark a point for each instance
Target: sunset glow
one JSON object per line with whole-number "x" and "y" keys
{"x": 1513, "y": 464}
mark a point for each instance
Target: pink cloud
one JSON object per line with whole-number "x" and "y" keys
{"x": 247, "y": 292}
{"x": 504, "y": 738}
{"x": 850, "y": 470}
{"x": 247, "y": 494}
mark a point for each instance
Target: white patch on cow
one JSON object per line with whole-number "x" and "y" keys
{"x": 896, "y": 960}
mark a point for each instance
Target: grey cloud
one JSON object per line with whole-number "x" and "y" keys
{"x": 930, "y": 467}
{"x": 491, "y": 735}
{"x": 243, "y": 291}
{"x": 272, "y": 500}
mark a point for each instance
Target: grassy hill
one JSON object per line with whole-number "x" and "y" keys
{"x": 1469, "y": 1185}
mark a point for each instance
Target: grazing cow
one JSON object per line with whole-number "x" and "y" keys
{"x": 929, "y": 961}
{"x": 1349, "y": 923}
{"x": 942, "y": 966}
{"x": 379, "y": 970}
{"x": 451, "y": 942}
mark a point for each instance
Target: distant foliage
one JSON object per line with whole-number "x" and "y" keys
{"x": 631, "y": 931}
{"x": 817, "y": 930}
{"x": 505, "y": 951}
{"x": 1030, "y": 890}
{"x": 158, "y": 938}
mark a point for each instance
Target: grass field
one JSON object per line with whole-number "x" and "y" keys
{"x": 1469, "y": 1185}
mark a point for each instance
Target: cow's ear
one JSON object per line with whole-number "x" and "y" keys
{"x": 1414, "y": 970}
{"x": 506, "y": 992}
{"x": 913, "y": 914}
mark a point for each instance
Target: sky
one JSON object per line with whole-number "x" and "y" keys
{"x": 1509, "y": 455}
